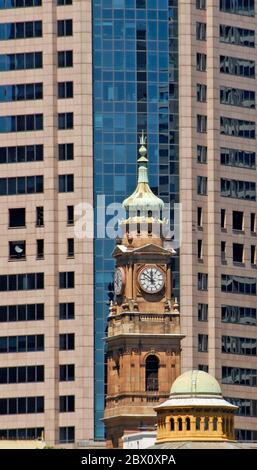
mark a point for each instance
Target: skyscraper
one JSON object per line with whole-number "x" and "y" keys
{"x": 46, "y": 279}
{"x": 218, "y": 196}
{"x": 135, "y": 67}
{"x": 92, "y": 75}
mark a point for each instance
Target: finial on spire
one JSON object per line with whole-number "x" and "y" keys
{"x": 143, "y": 138}
{"x": 142, "y": 150}
{"x": 143, "y": 197}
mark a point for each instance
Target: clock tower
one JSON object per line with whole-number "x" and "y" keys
{"x": 143, "y": 335}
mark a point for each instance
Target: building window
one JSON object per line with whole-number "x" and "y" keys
{"x": 67, "y": 372}
{"x": 223, "y": 218}
{"x": 239, "y": 376}
{"x": 66, "y": 183}
{"x": 21, "y": 61}
{"x": 237, "y": 127}
{"x": 238, "y": 284}
{"x": 21, "y": 344}
{"x": 19, "y": 3}
{"x": 22, "y": 312}
{"x": 201, "y": 154}
{"x": 21, "y": 123}
{"x": 66, "y": 341}
{"x": 201, "y": 123}
{"x": 238, "y": 253}
{"x": 201, "y": 93}
{"x": 67, "y": 311}
{"x": 241, "y": 346}
{"x": 21, "y": 405}
{"x": 151, "y": 373}
{"x": 66, "y": 434}
{"x": 21, "y": 185}
{"x": 238, "y": 315}
{"x": 21, "y": 433}
{"x": 17, "y": 250}
{"x": 238, "y": 7}
{"x": 67, "y": 280}
{"x": 236, "y": 66}
{"x": 202, "y": 343}
{"x": 199, "y": 217}
{"x": 237, "y": 97}
{"x": 21, "y": 374}
{"x": 40, "y": 249}
{"x": 21, "y": 92}
{"x": 65, "y": 59}
{"x": 238, "y": 189}
{"x": 22, "y": 153}
{"x": 202, "y": 312}
{"x": 70, "y": 215}
{"x": 237, "y": 158}
{"x": 200, "y": 249}
{"x": 64, "y": 2}
{"x": 201, "y": 62}
{"x": 200, "y": 4}
{"x": 17, "y": 218}
{"x": 237, "y": 220}
{"x": 70, "y": 247}
{"x": 23, "y": 30}
{"x": 65, "y": 152}
{"x": 202, "y": 185}
{"x": 65, "y": 90}
{"x": 200, "y": 31}
{"x": 246, "y": 406}
{"x": 203, "y": 367}
{"x": 202, "y": 281}
{"x": 223, "y": 251}
{"x": 39, "y": 216}
{"x": 253, "y": 222}
{"x": 237, "y": 36}
{"x": 66, "y": 403}
{"x": 253, "y": 255}
{"x": 28, "y": 281}
{"x": 245, "y": 435}
{"x": 64, "y": 28}
{"x": 65, "y": 121}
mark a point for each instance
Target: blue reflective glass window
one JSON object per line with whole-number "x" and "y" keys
{"x": 118, "y": 4}
{"x": 152, "y": 31}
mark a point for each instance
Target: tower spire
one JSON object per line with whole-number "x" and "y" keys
{"x": 143, "y": 198}
{"x": 142, "y": 161}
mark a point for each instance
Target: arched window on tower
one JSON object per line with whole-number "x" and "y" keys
{"x": 138, "y": 222}
{"x": 150, "y": 225}
{"x": 172, "y": 424}
{"x": 198, "y": 423}
{"x": 180, "y": 425}
{"x": 188, "y": 424}
{"x": 215, "y": 424}
{"x": 151, "y": 373}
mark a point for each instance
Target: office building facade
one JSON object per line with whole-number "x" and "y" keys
{"x": 46, "y": 278}
{"x": 218, "y": 195}
{"x": 122, "y": 59}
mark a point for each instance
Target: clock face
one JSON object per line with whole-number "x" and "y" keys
{"x": 119, "y": 278}
{"x": 151, "y": 280}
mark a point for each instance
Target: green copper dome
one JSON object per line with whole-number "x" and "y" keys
{"x": 195, "y": 382}
{"x": 143, "y": 198}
